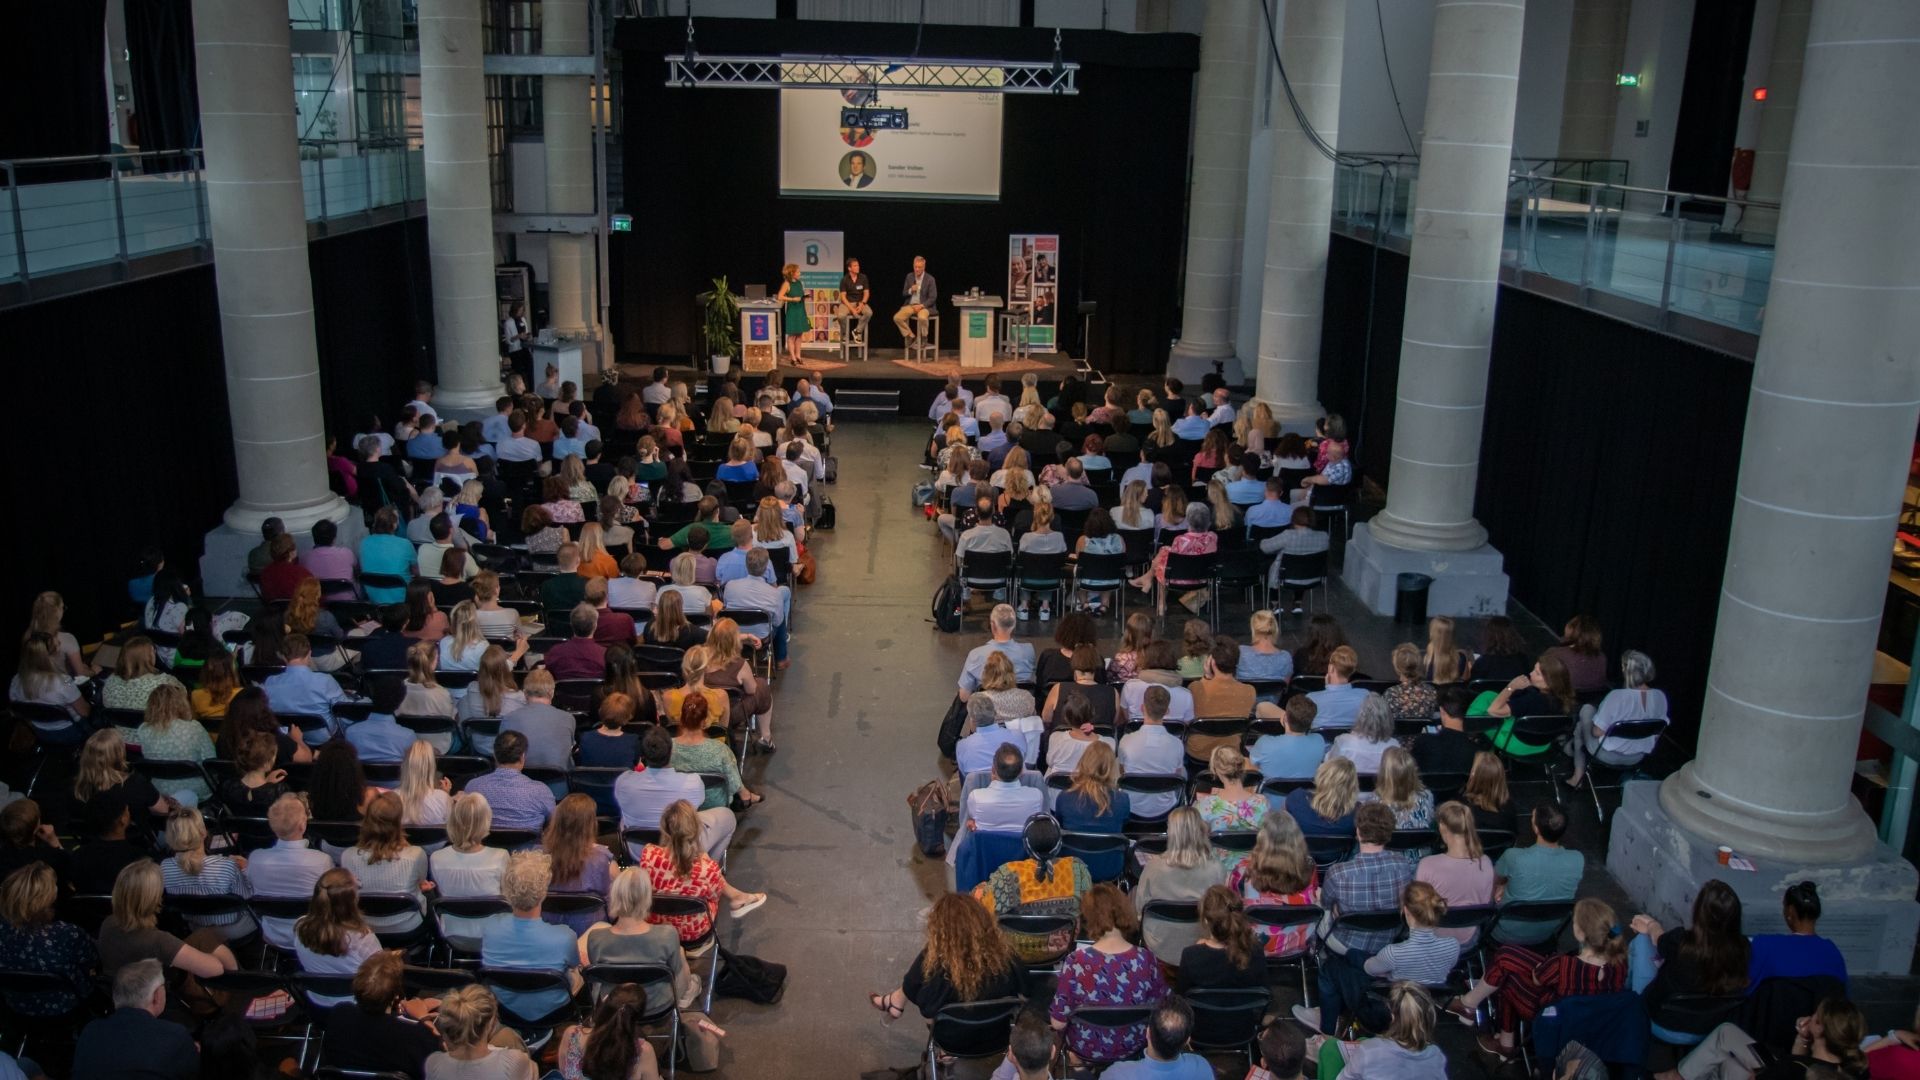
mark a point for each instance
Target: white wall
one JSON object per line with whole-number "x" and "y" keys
{"x": 1543, "y": 78}
{"x": 1368, "y": 123}
{"x": 1658, "y": 32}
{"x": 1766, "y": 14}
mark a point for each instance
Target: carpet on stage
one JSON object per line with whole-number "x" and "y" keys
{"x": 945, "y": 368}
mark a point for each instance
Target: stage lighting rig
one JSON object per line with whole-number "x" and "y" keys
{"x": 873, "y": 118}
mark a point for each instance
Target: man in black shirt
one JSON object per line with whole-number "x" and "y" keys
{"x": 1451, "y": 749}
{"x": 100, "y": 860}
{"x": 854, "y": 294}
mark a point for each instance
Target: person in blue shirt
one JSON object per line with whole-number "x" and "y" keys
{"x": 1340, "y": 702}
{"x": 733, "y": 564}
{"x": 1800, "y": 951}
{"x": 300, "y": 689}
{"x": 1295, "y": 755}
{"x": 140, "y": 586}
{"x": 1274, "y": 511}
{"x": 1001, "y": 622}
{"x": 426, "y": 445}
{"x": 495, "y": 428}
{"x": 380, "y": 737}
{"x": 1166, "y": 1057}
{"x": 525, "y": 942}
{"x": 738, "y": 469}
{"x": 384, "y": 551}
{"x": 1194, "y": 426}
{"x": 975, "y": 752}
{"x": 1244, "y": 489}
{"x": 571, "y": 440}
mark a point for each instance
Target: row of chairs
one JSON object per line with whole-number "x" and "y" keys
{"x": 1247, "y": 569}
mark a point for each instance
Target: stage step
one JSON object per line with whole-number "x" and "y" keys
{"x": 866, "y": 404}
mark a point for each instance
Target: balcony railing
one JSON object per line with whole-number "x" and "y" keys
{"x": 77, "y": 214}
{"x": 1674, "y": 261}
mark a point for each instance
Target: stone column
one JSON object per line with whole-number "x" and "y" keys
{"x": 567, "y": 130}
{"x": 1806, "y": 574}
{"x": 257, "y": 214}
{"x": 459, "y": 206}
{"x": 1784, "y": 66}
{"x": 1453, "y": 277}
{"x": 1223, "y": 111}
{"x": 1300, "y": 212}
{"x": 1597, "y": 46}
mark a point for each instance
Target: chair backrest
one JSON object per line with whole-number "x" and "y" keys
{"x": 984, "y": 1027}
{"x": 1327, "y": 850}
{"x": 1303, "y": 569}
{"x": 424, "y": 725}
{"x": 1637, "y": 729}
{"x": 988, "y": 566}
{"x": 1101, "y": 569}
{"x": 1368, "y": 921}
{"x": 1174, "y": 911}
{"x": 1540, "y": 727}
{"x": 1189, "y": 569}
{"x": 1284, "y": 916}
{"x": 1697, "y": 1014}
{"x": 642, "y": 975}
{"x": 1413, "y": 840}
{"x": 1226, "y": 1018}
{"x": 1042, "y": 568}
{"x": 1235, "y": 840}
{"x": 206, "y": 905}
{"x": 1538, "y": 915}
{"x": 471, "y": 907}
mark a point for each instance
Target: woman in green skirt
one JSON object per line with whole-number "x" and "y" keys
{"x": 793, "y": 311}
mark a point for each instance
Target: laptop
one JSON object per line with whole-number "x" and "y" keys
{"x": 756, "y": 292}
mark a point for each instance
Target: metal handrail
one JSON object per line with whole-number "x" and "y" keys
{"x": 1513, "y": 178}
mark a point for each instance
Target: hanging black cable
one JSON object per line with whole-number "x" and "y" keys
{"x": 1387, "y": 62}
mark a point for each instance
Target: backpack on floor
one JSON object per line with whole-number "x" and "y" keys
{"x": 824, "y": 522}
{"x": 749, "y": 977}
{"x": 922, "y": 494}
{"x": 832, "y": 470}
{"x": 931, "y": 807}
{"x": 946, "y": 605}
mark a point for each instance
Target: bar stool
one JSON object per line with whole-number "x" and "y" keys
{"x": 848, "y": 346}
{"x": 929, "y": 345}
{"x": 1018, "y": 322}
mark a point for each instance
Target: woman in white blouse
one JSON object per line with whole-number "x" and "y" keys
{"x": 383, "y": 862}
{"x": 466, "y": 867}
{"x": 424, "y": 793}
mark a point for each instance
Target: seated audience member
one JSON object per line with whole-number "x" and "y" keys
{"x": 131, "y": 933}
{"x": 1895, "y": 1055}
{"x": 1580, "y": 653}
{"x": 1220, "y": 691}
{"x": 678, "y": 867}
{"x": 468, "y": 1021}
{"x": 612, "y": 1041}
{"x": 1230, "y": 806}
{"x": 755, "y": 593}
{"x": 983, "y": 735}
{"x": 1486, "y": 794}
{"x": 1335, "y": 472}
{"x": 1542, "y": 870}
{"x": 25, "y": 840}
{"x": 333, "y": 938}
{"x": 1447, "y": 748}
{"x": 133, "y": 1041}
{"x": 381, "y": 1029}
{"x": 579, "y": 657}
{"x": 695, "y": 751}
{"x": 170, "y": 733}
{"x": 1299, "y": 538}
{"x": 526, "y": 942}
{"x": 1111, "y": 970}
{"x": 103, "y": 784}
{"x": 609, "y": 627}
{"x": 1503, "y": 653}
{"x": 1297, "y": 754}
{"x": 382, "y": 861}
{"x": 1544, "y": 691}
{"x": 1093, "y": 803}
{"x": 288, "y": 869}
{"x": 1461, "y": 871}
{"x": 1264, "y": 660}
{"x": 566, "y": 588}
{"x": 632, "y": 938}
{"x": 1229, "y": 953}
{"x": 729, "y": 669}
{"x": 1327, "y": 808}
{"x": 385, "y": 552}
{"x": 33, "y": 938}
{"x": 644, "y": 794}
{"x": 1079, "y": 711}
{"x": 1283, "y": 1054}
{"x": 1405, "y": 1051}
{"x": 108, "y": 850}
{"x": 492, "y": 695}
{"x": 425, "y": 621}
{"x": 338, "y": 790}
{"x": 1412, "y": 697}
{"x": 1004, "y": 804}
{"x": 685, "y": 586}
{"x": 300, "y": 689}
{"x": 1372, "y": 880}
{"x": 1522, "y": 981}
{"x": 580, "y": 864}
{"x": 1801, "y": 951}
{"x": 135, "y": 676}
{"x": 1043, "y": 883}
{"x": 423, "y": 792}
{"x": 466, "y": 868}
{"x": 219, "y": 685}
{"x": 965, "y": 958}
{"x": 548, "y": 730}
{"x": 385, "y": 649}
{"x": 1279, "y": 873}
{"x": 1424, "y": 958}
{"x": 609, "y": 745}
{"x": 1339, "y": 703}
{"x": 631, "y": 591}
{"x": 1030, "y": 1049}
{"x": 1185, "y": 871}
{"x": 1398, "y": 788}
{"x": 380, "y": 737}
{"x": 38, "y": 682}
{"x": 1153, "y": 751}
{"x": 1370, "y": 736}
{"x": 283, "y": 570}
{"x": 516, "y": 801}
{"x": 1324, "y": 634}
{"x": 1158, "y": 666}
{"x": 190, "y": 871}
{"x": 1709, "y": 957}
{"x": 1827, "y": 1043}
{"x": 1167, "y": 1037}
{"x": 1638, "y": 700}
{"x": 1000, "y": 623}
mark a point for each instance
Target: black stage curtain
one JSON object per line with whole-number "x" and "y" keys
{"x": 1607, "y": 465}
{"x": 1710, "y": 97}
{"x": 1106, "y": 169}
{"x": 166, "y": 100}
{"x": 53, "y": 80}
{"x": 373, "y": 319}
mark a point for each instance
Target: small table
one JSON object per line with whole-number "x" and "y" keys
{"x": 976, "y": 329}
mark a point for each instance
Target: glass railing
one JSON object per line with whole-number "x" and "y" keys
{"x": 1658, "y": 257}
{"x": 75, "y": 213}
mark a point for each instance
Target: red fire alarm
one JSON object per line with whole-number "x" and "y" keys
{"x": 1759, "y": 93}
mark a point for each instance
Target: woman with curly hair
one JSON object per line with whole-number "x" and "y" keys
{"x": 966, "y": 958}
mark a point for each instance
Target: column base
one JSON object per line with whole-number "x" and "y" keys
{"x": 1296, "y": 418}
{"x": 1191, "y": 363}
{"x": 1756, "y": 831}
{"x": 464, "y": 405}
{"x": 223, "y": 559}
{"x": 1464, "y": 582}
{"x": 1867, "y": 902}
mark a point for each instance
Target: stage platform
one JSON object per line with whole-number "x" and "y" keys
{"x": 886, "y": 384}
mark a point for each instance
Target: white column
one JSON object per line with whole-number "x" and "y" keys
{"x": 1453, "y": 277}
{"x": 1223, "y": 111}
{"x": 1300, "y": 211}
{"x": 567, "y": 131}
{"x": 1594, "y": 52}
{"x": 257, "y": 214}
{"x": 1806, "y": 575}
{"x": 1784, "y": 67}
{"x": 459, "y": 205}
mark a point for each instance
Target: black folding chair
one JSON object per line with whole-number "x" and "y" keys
{"x": 1191, "y": 573}
{"x": 1042, "y": 573}
{"x": 530, "y": 981}
{"x": 1548, "y": 730}
{"x": 1302, "y": 575}
{"x": 987, "y": 570}
{"x": 1275, "y": 919}
{"x": 1616, "y": 776}
{"x": 656, "y": 982}
{"x": 972, "y": 1030}
{"x": 1103, "y": 573}
{"x": 1226, "y": 1020}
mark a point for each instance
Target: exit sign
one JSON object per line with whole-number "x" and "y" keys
{"x": 1624, "y": 79}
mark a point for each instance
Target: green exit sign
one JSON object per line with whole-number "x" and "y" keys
{"x": 620, "y": 223}
{"x": 1624, "y": 79}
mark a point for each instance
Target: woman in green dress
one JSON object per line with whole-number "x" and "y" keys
{"x": 793, "y": 311}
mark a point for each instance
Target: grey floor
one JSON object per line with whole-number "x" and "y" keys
{"x": 855, "y": 718}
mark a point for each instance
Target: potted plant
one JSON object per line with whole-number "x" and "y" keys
{"x": 721, "y": 326}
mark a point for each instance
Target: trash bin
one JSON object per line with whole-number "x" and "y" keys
{"x": 1410, "y": 605}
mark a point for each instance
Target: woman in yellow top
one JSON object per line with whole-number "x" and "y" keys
{"x": 218, "y": 685}
{"x": 693, "y": 674}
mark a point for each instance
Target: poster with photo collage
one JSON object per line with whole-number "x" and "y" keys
{"x": 1033, "y": 278}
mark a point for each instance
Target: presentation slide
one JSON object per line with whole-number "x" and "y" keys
{"x": 949, "y": 150}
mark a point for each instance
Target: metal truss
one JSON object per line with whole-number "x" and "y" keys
{"x": 872, "y": 73}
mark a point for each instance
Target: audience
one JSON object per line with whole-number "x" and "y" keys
{"x": 516, "y": 801}
{"x": 1113, "y": 969}
{"x": 1279, "y": 873}
{"x": 1636, "y": 700}
{"x": 1522, "y": 981}
{"x": 133, "y": 1040}
{"x": 1327, "y": 808}
{"x": 1186, "y": 870}
{"x": 1800, "y": 952}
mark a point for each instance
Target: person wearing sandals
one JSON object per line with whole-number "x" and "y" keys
{"x": 1522, "y": 980}
{"x": 965, "y": 958}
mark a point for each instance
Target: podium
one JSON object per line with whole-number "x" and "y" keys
{"x": 976, "y": 329}
{"x": 759, "y": 335}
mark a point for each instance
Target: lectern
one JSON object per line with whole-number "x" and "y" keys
{"x": 976, "y": 329}
{"x": 759, "y": 335}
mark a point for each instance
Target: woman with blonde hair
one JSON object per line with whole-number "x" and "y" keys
{"x": 1263, "y": 660}
{"x": 1132, "y": 513}
{"x": 132, "y": 931}
{"x": 492, "y": 695}
{"x": 466, "y": 867}
{"x": 102, "y": 774}
{"x": 694, "y": 751}
{"x": 425, "y": 695}
{"x": 1445, "y": 660}
{"x": 1461, "y": 872}
{"x": 170, "y": 733}
{"x": 728, "y": 669}
{"x": 1014, "y": 464}
{"x": 579, "y": 863}
{"x": 464, "y": 644}
{"x": 721, "y": 421}
{"x": 382, "y": 861}
{"x": 682, "y": 406}
{"x": 193, "y": 872}
{"x": 134, "y": 676}
{"x": 39, "y": 680}
{"x": 1413, "y": 697}
{"x": 425, "y": 795}
{"x": 666, "y": 427}
{"x": 1486, "y": 793}
{"x": 1523, "y": 981}
{"x": 669, "y": 626}
{"x": 678, "y": 866}
{"x": 469, "y": 513}
{"x": 1399, "y": 789}
{"x": 468, "y": 1020}
{"x": 1162, "y": 435}
{"x": 1370, "y": 736}
{"x": 1280, "y": 872}
{"x": 1225, "y": 514}
{"x": 770, "y": 528}
{"x": 33, "y": 939}
{"x": 965, "y": 958}
{"x": 49, "y": 610}
{"x": 595, "y": 562}
{"x": 1254, "y": 427}
{"x": 1094, "y": 803}
{"x": 1185, "y": 872}
{"x": 1405, "y": 1051}
{"x": 1326, "y": 808}
{"x": 579, "y": 488}
{"x": 1230, "y": 806}
{"x": 497, "y": 621}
